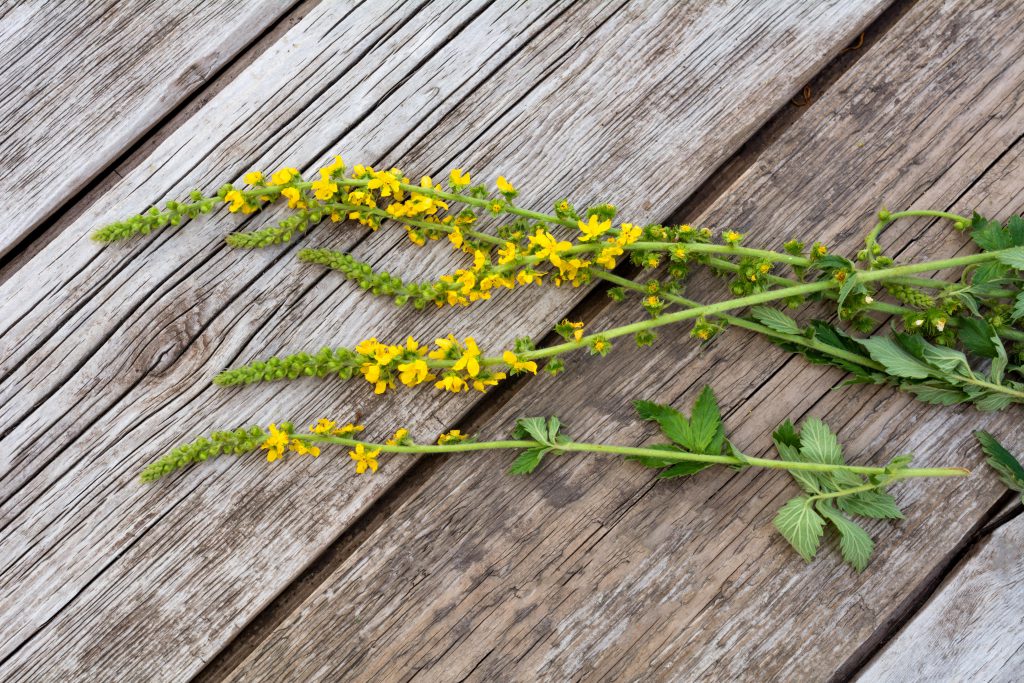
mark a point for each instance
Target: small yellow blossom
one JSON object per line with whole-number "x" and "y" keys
{"x": 600, "y": 345}
{"x": 399, "y": 438}
{"x": 593, "y": 229}
{"x": 284, "y": 176}
{"x": 482, "y": 382}
{"x": 364, "y": 459}
{"x": 548, "y": 247}
{"x": 528, "y": 277}
{"x": 452, "y": 382}
{"x": 577, "y": 329}
{"x": 458, "y": 178}
{"x": 507, "y": 253}
{"x": 294, "y": 197}
{"x": 495, "y": 206}
{"x": 504, "y": 186}
{"x": 454, "y": 436}
{"x": 628, "y": 234}
{"x": 348, "y": 430}
{"x": 732, "y": 238}
{"x": 275, "y": 443}
{"x": 236, "y": 200}
{"x": 253, "y": 177}
{"x": 517, "y": 365}
{"x": 386, "y": 182}
{"x": 325, "y": 188}
{"x": 606, "y": 257}
{"x": 299, "y": 446}
{"x": 414, "y": 372}
{"x": 470, "y": 359}
{"x": 322, "y": 426}
{"x": 820, "y": 250}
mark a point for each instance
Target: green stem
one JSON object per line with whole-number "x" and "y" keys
{"x": 668, "y": 456}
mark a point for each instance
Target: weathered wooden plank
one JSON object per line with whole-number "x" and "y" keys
{"x": 971, "y": 629}
{"x": 134, "y": 564}
{"x": 81, "y": 82}
{"x": 592, "y": 569}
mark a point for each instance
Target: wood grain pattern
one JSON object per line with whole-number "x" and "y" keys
{"x": 971, "y": 629}
{"x": 100, "y": 573}
{"x": 591, "y": 569}
{"x": 81, "y": 82}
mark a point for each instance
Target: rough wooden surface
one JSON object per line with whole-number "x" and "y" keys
{"x": 593, "y": 570}
{"x": 106, "y": 350}
{"x": 82, "y": 81}
{"x": 971, "y": 629}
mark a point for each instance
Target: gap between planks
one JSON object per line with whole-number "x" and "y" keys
{"x": 587, "y": 309}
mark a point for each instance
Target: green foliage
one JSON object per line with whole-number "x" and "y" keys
{"x": 701, "y": 433}
{"x": 829, "y": 494}
{"x": 543, "y": 430}
{"x": 1009, "y": 468}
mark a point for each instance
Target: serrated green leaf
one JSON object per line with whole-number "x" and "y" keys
{"x": 531, "y": 427}
{"x": 1012, "y": 257}
{"x": 895, "y": 358}
{"x": 787, "y": 434}
{"x": 999, "y": 363}
{"x": 673, "y": 424}
{"x": 775, "y": 319}
{"x": 874, "y": 504}
{"x": 527, "y": 461}
{"x": 553, "y": 426}
{"x": 976, "y": 336}
{"x": 849, "y": 285}
{"x": 992, "y": 402}
{"x": 1009, "y": 469}
{"x": 855, "y": 544}
{"x": 1015, "y": 226}
{"x": 705, "y": 422}
{"x": 1018, "y": 307}
{"x": 808, "y": 481}
{"x": 990, "y": 236}
{"x": 801, "y": 526}
{"x": 819, "y": 444}
{"x": 937, "y": 395}
{"x": 946, "y": 359}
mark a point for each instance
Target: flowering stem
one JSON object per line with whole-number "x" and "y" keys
{"x": 667, "y": 456}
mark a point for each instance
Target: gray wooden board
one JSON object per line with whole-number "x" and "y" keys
{"x": 81, "y": 82}
{"x": 106, "y": 350}
{"x": 591, "y": 568}
{"x": 970, "y": 630}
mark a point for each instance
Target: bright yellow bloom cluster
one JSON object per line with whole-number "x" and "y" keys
{"x": 466, "y": 370}
{"x": 279, "y": 439}
{"x": 382, "y": 363}
{"x": 593, "y": 228}
{"x": 454, "y": 436}
{"x": 515, "y": 364}
{"x": 325, "y": 188}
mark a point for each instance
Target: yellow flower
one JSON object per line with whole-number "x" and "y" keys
{"x": 732, "y": 238}
{"x": 454, "y": 436}
{"x": 284, "y": 176}
{"x": 504, "y": 186}
{"x": 599, "y": 345}
{"x": 253, "y": 177}
{"x": 324, "y": 188}
{"x": 452, "y": 382}
{"x": 470, "y": 359}
{"x": 516, "y": 365}
{"x": 335, "y": 165}
{"x": 606, "y": 257}
{"x": 364, "y": 459}
{"x": 348, "y": 430}
{"x": 456, "y": 237}
{"x": 593, "y": 229}
{"x": 275, "y": 443}
{"x": 528, "y": 277}
{"x": 300, "y": 447}
{"x": 458, "y": 178}
{"x": 294, "y": 197}
{"x": 322, "y": 426}
{"x": 236, "y": 200}
{"x": 399, "y": 438}
{"x": 495, "y": 206}
{"x": 548, "y": 247}
{"x": 820, "y": 250}
{"x": 628, "y": 234}
{"x": 414, "y": 372}
{"x": 507, "y": 253}
{"x": 481, "y": 383}
{"x": 386, "y": 182}
{"x": 577, "y": 329}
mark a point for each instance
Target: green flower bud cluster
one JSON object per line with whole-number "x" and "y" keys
{"x": 237, "y": 442}
{"x": 383, "y": 283}
{"x": 910, "y": 296}
{"x": 173, "y": 213}
{"x": 341, "y": 362}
